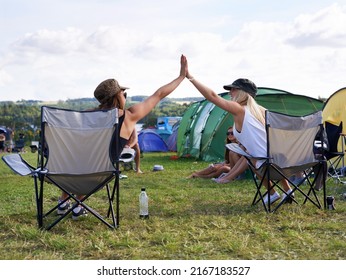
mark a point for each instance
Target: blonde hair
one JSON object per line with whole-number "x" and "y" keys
{"x": 245, "y": 99}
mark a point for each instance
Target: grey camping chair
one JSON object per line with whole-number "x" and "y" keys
{"x": 79, "y": 155}
{"x": 290, "y": 149}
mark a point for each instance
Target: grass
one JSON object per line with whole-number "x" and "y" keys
{"x": 190, "y": 219}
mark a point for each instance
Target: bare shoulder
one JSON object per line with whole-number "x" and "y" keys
{"x": 233, "y": 107}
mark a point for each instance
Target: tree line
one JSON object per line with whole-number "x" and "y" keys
{"x": 23, "y": 117}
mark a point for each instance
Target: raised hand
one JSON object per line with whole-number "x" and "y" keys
{"x": 183, "y": 66}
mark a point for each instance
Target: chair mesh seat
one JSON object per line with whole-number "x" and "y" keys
{"x": 76, "y": 154}
{"x": 290, "y": 150}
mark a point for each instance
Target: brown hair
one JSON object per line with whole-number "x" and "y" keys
{"x": 227, "y": 142}
{"x": 111, "y": 103}
{"x": 107, "y": 93}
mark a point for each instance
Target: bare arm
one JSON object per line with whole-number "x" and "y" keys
{"x": 230, "y": 106}
{"x": 140, "y": 110}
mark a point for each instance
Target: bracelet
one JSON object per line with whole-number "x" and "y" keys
{"x": 191, "y": 79}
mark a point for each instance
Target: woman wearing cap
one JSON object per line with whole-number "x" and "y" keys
{"x": 111, "y": 94}
{"x": 249, "y": 120}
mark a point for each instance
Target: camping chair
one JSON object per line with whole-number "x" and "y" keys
{"x": 127, "y": 157}
{"x": 335, "y": 158}
{"x": 19, "y": 146}
{"x": 78, "y": 156}
{"x": 290, "y": 142}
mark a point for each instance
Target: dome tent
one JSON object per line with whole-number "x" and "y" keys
{"x": 164, "y": 134}
{"x": 334, "y": 109}
{"x": 202, "y": 130}
{"x": 172, "y": 139}
{"x": 150, "y": 141}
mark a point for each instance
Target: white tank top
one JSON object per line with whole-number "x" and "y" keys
{"x": 253, "y": 136}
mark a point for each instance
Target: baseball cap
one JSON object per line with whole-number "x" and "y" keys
{"x": 243, "y": 84}
{"x": 107, "y": 89}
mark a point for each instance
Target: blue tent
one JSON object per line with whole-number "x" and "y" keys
{"x": 164, "y": 134}
{"x": 172, "y": 139}
{"x": 167, "y": 123}
{"x": 150, "y": 141}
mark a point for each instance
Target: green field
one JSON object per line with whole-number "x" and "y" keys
{"x": 190, "y": 219}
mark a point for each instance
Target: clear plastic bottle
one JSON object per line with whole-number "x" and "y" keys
{"x": 143, "y": 205}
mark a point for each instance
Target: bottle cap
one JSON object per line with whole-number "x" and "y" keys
{"x": 142, "y": 189}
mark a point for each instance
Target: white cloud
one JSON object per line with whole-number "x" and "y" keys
{"x": 5, "y": 78}
{"x": 50, "y": 41}
{"x": 305, "y": 56}
{"x": 325, "y": 28}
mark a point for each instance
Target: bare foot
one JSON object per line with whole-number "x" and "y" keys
{"x": 192, "y": 176}
{"x": 138, "y": 171}
{"x": 222, "y": 181}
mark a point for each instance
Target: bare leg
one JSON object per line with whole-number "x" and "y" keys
{"x": 137, "y": 158}
{"x": 233, "y": 158}
{"x": 216, "y": 172}
{"x": 284, "y": 183}
{"x": 238, "y": 169}
{"x": 65, "y": 195}
{"x": 205, "y": 172}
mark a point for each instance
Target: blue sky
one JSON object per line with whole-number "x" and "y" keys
{"x": 55, "y": 50}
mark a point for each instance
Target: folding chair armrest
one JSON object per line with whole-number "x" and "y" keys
{"x": 235, "y": 147}
{"x": 18, "y": 164}
{"x": 319, "y": 145}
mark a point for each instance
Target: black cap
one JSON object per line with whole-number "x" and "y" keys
{"x": 243, "y": 84}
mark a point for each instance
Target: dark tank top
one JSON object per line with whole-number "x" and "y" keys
{"x": 122, "y": 141}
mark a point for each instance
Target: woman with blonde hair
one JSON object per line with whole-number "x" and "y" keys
{"x": 249, "y": 120}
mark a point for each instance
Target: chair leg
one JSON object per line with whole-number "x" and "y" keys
{"x": 39, "y": 201}
{"x": 114, "y": 223}
{"x": 115, "y": 193}
{"x": 333, "y": 170}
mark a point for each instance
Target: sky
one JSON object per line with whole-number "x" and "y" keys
{"x": 59, "y": 50}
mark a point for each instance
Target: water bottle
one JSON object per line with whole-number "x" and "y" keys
{"x": 143, "y": 205}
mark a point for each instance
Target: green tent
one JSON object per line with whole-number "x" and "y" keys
{"x": 202, "y": 131}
